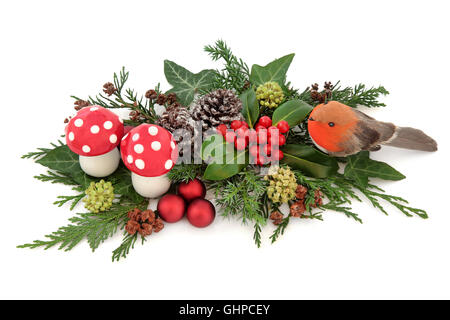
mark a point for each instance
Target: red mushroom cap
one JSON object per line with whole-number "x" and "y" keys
{"x": 94, "y": 131}
{"x": 149, "y": 150}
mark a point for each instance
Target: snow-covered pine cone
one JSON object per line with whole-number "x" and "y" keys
{"x": 217, "y": 107}
{"x": 177, "y": 117}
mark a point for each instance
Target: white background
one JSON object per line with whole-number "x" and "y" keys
{"x": 52, "y": 49}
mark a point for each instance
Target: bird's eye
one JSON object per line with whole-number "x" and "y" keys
{"x": 331, "y": 124}
{"x": 311, "y": 119}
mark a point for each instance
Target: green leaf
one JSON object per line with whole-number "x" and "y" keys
{"x": 185, "y": 83}
{"x": 274, "y": 71}
{"x": 62, "y": 159}
{"x": 250, "y": 107}
{"x": 360, "y": 167}
{"x": 293, "y": 111}
{"x": 310, "y": 161}
{"x": 224, "y": 161}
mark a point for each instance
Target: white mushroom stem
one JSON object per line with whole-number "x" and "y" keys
{"x": 102, "y": 165}
{"x": 150, "y": 187}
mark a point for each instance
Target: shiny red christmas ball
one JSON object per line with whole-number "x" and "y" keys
{"x": 171, "y": 208}
{"x": 201, "y": 213}
{"x": 192, "y": 190}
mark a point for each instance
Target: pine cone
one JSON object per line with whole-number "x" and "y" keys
{"x": 177, "y": 117}
{"x": 297, "y": 209}
{"x": 217, "y": 107}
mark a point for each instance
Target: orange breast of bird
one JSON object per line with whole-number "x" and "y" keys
{"x": 332, "y": 138}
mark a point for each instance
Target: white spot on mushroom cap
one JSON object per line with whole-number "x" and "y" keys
{"x": 140, "y": 164}
{"x": 153, "y": 131}
{"x": 125, "y": 137}
{"x": 130, "y": 158}
{"x": 71, "y": 136}
{"x": 94, "y": 109}
{"x": 113, "y": 138}
{"x": 138, "y": 148}
{"x": 86, "y": 149}
{"x": 108, "y": 125}
{"x": 168, "y": 164}
{"x": 156, "y": 145}
{"x": 135, "y": 137}
{"x": 78, "y": 123}
{"x": 95, "y": 129}
{"x": 172, "y": 144}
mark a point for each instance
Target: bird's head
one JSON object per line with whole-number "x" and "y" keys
{"x": 330, "y": 124}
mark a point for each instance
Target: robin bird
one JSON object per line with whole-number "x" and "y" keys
{"x": 340, "y": 130}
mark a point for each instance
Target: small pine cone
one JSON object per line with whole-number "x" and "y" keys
{"x": 147, "y": 216}
{"x": 109, "y": 88}
{"x": 80, "y": 104}
{"x": 134, "y": 214}
{"x": 132, "y": 227}
{"x": 301, "y": 192}
{"x": 151, "y": 94}
{"x": 297, "y": 209}
{"x": 158, "y": 225}
{"x": 218, "y": 107}
{"x": 145, "y": 229}
{"x": 177, "y": 117}
{"x": 161, "y": 100}
{"x": 277, "y": 217}
{"x": 171, "y": 98}
{"x": 317, "y": 199}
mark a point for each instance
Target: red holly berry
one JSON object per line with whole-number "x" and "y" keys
{"x": 281, "y": 140}
{"x": 222, "y": 129}
{"x": 272, "y": 131}
{"x": 242, "y": 132}
{"x": 265, "y": 121}
{"x": 262, "y": 136}
{"x": 254, "y": 151}
{"x": 244, "y": 124}
{"x": 236, "y": 124}
{"x": 259, "y": 127}
{"x": 252, "y": 135}
{"x": 283, "y": 126}
{"x": 278, "y": 155}
{"x": 240, "y": 144}
{"x": 267, "y": 149}
{"x": 230, "y": 136}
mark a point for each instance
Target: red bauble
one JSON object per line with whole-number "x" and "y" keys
{"x": 192, "y": 190}
{"x": 171, "y": 208}
{"x": 201, "y": 213}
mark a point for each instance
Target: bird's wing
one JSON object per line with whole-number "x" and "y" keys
{"x": 371, "y": 132}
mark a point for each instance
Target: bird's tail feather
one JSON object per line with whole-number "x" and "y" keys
{"x": 410, "y": 138}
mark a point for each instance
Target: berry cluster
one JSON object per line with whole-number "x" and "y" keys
{"x": 263, "y": 141}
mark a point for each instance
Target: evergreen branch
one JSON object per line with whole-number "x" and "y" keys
{"x": 235, "y": 73}
{"x": 345, "y": 210}
{"x": 185, "y": 172}
{"x": 257, "y": 235}
{"x": 36, "y": 155}
{"x": 280, "y": 229}
{"x": 57, "y": 177}
{"x": 96, "y": 228}
{"x": 65, "y": 199}
{"x": 127, "y": 244}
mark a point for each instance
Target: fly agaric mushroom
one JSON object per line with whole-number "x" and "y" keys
{"x": 150, "y": 152}
{"x": 94, "y": 134}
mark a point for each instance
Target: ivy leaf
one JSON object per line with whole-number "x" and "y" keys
{"x": 185, "y": 83}
{"x": 360, "y": 167}
{"x": 274, "y": 71}
{"x": 62, "y": 159}
{"x": 293, "y": 111}
{"x": 250, "y": 107}
{"x": 310, "y": 161}
{"x": 224, "y": 161}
